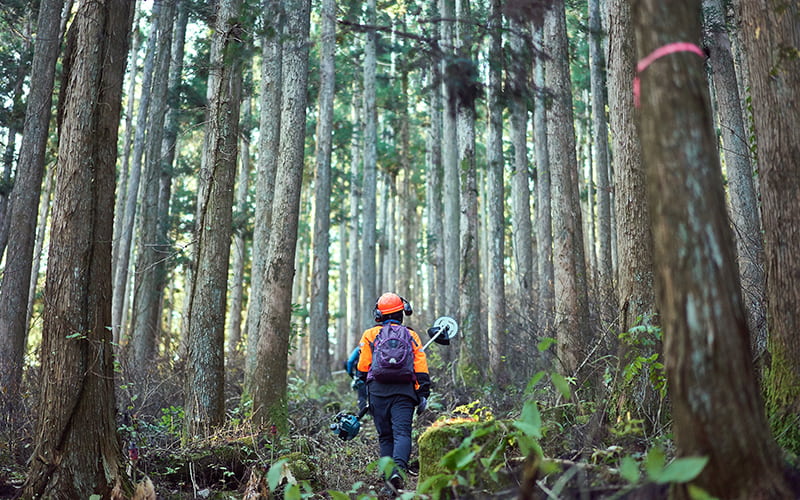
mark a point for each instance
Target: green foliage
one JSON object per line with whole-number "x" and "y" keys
{"x": 658, "y": 471}
{"x": 643, "y": 338}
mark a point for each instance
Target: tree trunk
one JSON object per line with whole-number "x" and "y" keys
{"x": 521, "y": 222}
{"x": 25, "y": 206}
{"x": 270, "y": 126}
{"x": 770, "y": 34}
{"x": 127, "y": 218}
{"x": 498, "y": 345}
{"x": 356, "y": 305}
{"x": 239, "y": 243}
{"x": 717, "y": 406}
{"x": 544, "y": 227}
{"x": 269, "y": 378}
{"x": 605, "y": 287}
{"x": 369, "y": 185}
{"x": 743, "y": 206}
{"x": 149, "y": 279}
{"x": 569, "y": 265}
{"x": 205, "y": 367}
{"x": 73, "y": 459}
{"x": 635, "y": 287}
{"x": 318, "y": 325}
{"x": 473, "y": 353}
{"x": 451, "y": 179}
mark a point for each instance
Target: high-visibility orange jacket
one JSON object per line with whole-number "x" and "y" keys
{"x": 421, "y": 386}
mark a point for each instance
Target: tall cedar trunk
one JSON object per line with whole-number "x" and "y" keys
{"x": 434, "y": 190}
{"x": 569, "y": 267}
{"x": 269, "y": 378}
{"x": 168, "y": 151}
{"x": 356, "y": 318}
{"x": 771, "y": 38}
{"x": 318, "y": 326}
{"x": 521, "y": 222}
{"x": 604, "y": 268}
{"x": 544, "y": 227}
{"x": 25, "y": 205}
{"x": 717, "y": 405}
{"x": 369, "y": 185}
{"x": 150, "y": 279}
{"x": 126, "y": 219}
{"x": 343, "y": 345}
{"x": 74, "y": 459}
{"x": 498, "y": 344}
{"x": 743, "y": 206}
{"x": 474, "y": 353}
{"x": 15, "y": 123}
{"x": 451, "y": 178}
{"x": 635, "y": 287}
{"x": 205, "y": 366}
{"x": 269, "y": 127}
{"x": 239, "y": 243}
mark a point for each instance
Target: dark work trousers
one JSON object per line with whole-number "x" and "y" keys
{"x": 392, "y": 416}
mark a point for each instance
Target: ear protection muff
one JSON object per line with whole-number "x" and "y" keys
{"x": 407, "y": 310}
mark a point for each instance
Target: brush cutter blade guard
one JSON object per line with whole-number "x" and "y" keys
{"x": 443, "y": 329}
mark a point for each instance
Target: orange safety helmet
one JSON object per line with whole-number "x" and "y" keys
{"x": 389, "y": 303}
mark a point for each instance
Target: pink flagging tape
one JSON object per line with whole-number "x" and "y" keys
{"x": 670, "y": 48}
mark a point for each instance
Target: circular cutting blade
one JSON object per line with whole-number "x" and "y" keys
{"x": 449, "y": 326}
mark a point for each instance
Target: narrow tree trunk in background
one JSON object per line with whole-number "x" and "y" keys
{"x": 544, "y": 228}
{"x": 149, "y": 279}
{"x": 269, "y": 378}
{"x": 38, "y": 248}
{"x": 239, "y": 243}
{"x": 24, "y": 204}
{"x": 451, "y": 178}
{"x": 569, "y": 266}
{"x": 521, "y": 222}
{"x": 269, "y": 128}
{"x": 369, "y": 209}
{"x": 770, "y": 30}
{"x": 127, "y": 218}
{"x": 205, "y": 366}
{"x": 717, "y": 407}
{"x": 605, "y": 270}
{"x": 474, "y": 352}
{"x": 356, "y": 304}
{"x": 635, "y": 288}
{"x": 433, "y": 197}
{"x": 124, "y": 170}
{"x": 743, "y": 206}
{"x": 75, "y": 459}
{"x": 498, "y": 343}
{"x": 318, "y": 326}
{"x": 343, "y": 345}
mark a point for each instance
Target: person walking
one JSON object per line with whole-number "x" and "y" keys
{"x": 394, "y": 367}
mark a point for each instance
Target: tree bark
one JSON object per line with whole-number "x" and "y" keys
{"x": 318, "y": 325}
{"x": 269, "y": 127}
{"x": 25, "y": 205}
{"x": 717, "y": 406}
{"x": 498, "y": 344}
{"x": 571, "y": 297}
{"x": 771, "y": 39}
{"x": 269, "y": 378}
{"x": 72, "y": 459}
{"x": 205, "y": 367}
{"x": 635, "y": 286}
{"x": 149, "y": 279}
{"x": 743, "y": 207}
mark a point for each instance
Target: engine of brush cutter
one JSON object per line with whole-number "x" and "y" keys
{"x": 346, "y": 426}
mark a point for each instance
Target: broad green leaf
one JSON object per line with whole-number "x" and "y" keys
{"x": 528, "y": 446}
{"x": 561, "y": 384}
{"x": 338, "y": 495}
{"x": 545, "y": 343}
{"x": 530, "y": 417}
{"x": 629, "y": 470}
{"x": 528, "y": 429}
{"x": 292, "y": 492}
{"x": 698, "y": 493}
{"x": 534, "y": 380}
{"x": 654, "y": 463}
{"x": 275, "y": 474}
{"x": 683, "y": 470}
